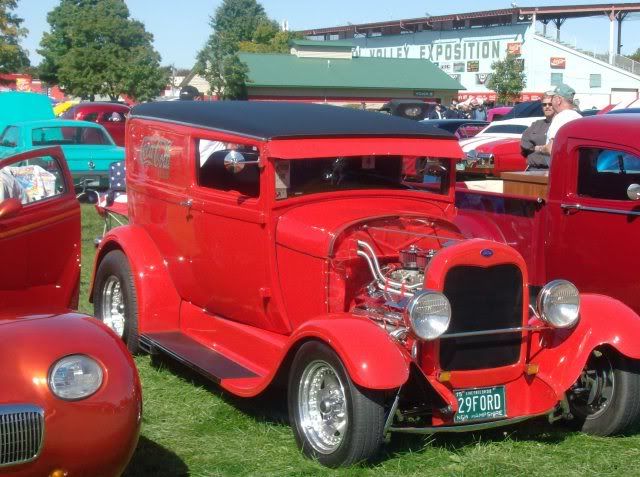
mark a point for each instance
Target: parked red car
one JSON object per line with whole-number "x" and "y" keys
{"x": 112, "y": 116}
{"x": 70, "y": 401}
{"x": 585, "y": 227}
{"x": 280, "y": 244}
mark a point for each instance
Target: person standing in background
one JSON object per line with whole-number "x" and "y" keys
{"x": 536, "y": 135}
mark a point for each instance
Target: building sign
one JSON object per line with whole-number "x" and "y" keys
{"x": 558, "y": 63}
{"x": 482, "y": 78}
{"x": 423, "y": 94}
{"x": 458, "y": 67}
{"x": 457, "y": 49}
{"x": 514, "y": 48}
{"x": 473, "y": 66}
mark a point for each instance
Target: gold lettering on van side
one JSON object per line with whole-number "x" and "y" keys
{"x": 156, "y": 152}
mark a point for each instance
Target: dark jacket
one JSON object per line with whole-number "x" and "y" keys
{"x": 535, "y": 135}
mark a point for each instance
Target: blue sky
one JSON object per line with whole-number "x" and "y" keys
{"x": 181, "y": 28}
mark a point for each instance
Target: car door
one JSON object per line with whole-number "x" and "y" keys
{"x": 39, "y": 232}
{"x": 594, "y": 229}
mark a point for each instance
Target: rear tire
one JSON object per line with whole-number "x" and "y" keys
{"x": 115, "y": 301}
{"x": 333, "y": 420}
{"x": 604, "y": 401}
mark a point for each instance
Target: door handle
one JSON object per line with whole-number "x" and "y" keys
{"x": 569, "y": 207}
{"x": 186, "y": 203}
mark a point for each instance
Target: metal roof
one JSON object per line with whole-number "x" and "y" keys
{"x": 289, "y": 71}
{"x": 478, "y": 18}
{"x": 269, "y": 120}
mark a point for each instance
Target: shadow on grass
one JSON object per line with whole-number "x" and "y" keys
{"x": 269, "y": 407}
{"x": 150, "y": 458}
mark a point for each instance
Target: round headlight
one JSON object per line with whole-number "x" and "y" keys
{"x": 559, "y": 304}
{"x": 75, "y": 377}
{"x": 429, "y": 314}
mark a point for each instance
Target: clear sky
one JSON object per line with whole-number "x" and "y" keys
{"x": 181, "y": 28}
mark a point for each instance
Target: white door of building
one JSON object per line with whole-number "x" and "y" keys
{"x": 623, "y": 95}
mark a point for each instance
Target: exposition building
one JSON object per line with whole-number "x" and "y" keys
{"x": 465, "y": 45}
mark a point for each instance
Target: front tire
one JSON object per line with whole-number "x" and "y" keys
{"x": 333, "y": 420}
{"x": 115, "y": 301}
{"x": 604, "y": 401}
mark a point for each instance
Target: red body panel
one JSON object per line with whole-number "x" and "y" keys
{"x": 595, "y": 249}
{"x": 506, "y": 155}
{"x": 40, "y": 248}
{"x": 95, "y": 436}
{"x": 102, "y": 113}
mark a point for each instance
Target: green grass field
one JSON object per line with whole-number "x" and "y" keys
{"x": 190, "y": 427}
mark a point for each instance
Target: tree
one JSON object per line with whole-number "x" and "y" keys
{"x": 636, "y": 55}
{"x": 13, "y": 58}
{"x": 234, "y": 22}
{"x": 94, "y": 48}
{"x": 508, "y": 78}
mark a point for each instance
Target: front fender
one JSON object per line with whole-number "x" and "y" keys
{"x": 603, "y": 322}
{"x": 158, "y": 300}
{"x": 372, "y": 358}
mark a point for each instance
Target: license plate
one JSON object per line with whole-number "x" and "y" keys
{"x": 460, "y": 166}
{"x": 480, "y": 404}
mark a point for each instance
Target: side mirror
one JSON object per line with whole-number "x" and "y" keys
{"x": 633, "y": 192}
{"x": 235, "y": 161}
{"x": 10, "y": 208}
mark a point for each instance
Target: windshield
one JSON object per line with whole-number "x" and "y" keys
{"x": 505, "y": 129}
{"x": 311, "y": 176}
{"x": 69, "y": 135}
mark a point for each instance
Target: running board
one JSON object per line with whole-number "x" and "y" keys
{"x": 195, "y": 355}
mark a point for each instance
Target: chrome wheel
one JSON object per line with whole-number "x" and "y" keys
{"x": 322, "y": 407}
{"x": 592, "y": 394}
{"x": 113, "y": 305}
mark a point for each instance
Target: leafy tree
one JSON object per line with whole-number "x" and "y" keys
{"x": 636, "y": 55}
{"x": 13, "y": 58}
{"x": 268, "y": 38}
{"x": 234, "y": 22}
{"x": 94, "y": 48}
{"x": 508, "y": 78}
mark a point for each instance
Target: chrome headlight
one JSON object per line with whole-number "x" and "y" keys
{"x": 558, "y": 304}
{"x": 75, "y": 377}
{"x": 429, "y": 314}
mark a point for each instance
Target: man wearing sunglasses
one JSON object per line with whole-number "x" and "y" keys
{"x": 536, "y": 135}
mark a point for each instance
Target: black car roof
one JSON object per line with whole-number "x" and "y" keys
{"x": 270, "y": 119}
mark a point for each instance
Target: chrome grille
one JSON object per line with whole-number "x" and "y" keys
{"x": 21, "y": 433}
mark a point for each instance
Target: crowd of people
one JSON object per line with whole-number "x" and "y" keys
{"x": 474, "y": 109}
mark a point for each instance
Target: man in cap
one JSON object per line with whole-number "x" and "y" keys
{"x": 564, "y": 107}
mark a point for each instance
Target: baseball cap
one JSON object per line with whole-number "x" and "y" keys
{"x": 563, "y": 90}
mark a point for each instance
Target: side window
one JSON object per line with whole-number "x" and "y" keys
{"x": 112, "y": 117}
{"x": 9, "y": 137}
{"x": 607, "y": 173}
{"x": 243, "y": 176}
{"x": 32, "y": 180}
{"x": 91, "y": 117}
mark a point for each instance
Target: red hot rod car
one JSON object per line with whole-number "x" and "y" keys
{"x": 70, "y": 400}
{"x": 271, "y": 240}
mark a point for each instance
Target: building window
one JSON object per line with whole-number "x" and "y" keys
{"x": 556, "y": 79}
{"x": 595, "y": 81}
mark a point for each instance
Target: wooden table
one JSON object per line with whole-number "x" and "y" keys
{"x": 529, "y": 183}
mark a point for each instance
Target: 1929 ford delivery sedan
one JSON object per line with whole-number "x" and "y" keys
{"x": 273, "y": 241}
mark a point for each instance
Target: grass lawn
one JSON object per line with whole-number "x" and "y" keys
{"x": 190, "y": 427}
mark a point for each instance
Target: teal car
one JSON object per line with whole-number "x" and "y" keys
{"x": 27, "y": 122}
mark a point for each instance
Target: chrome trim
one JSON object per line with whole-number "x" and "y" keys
{"x": 579, "y": 207}
{"x": 464, "y": 427}
{"x": 377, "y": 272}
{"x": 491, "y": 332}
{"x": 22, "y": 429}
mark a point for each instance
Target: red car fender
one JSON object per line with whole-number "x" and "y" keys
{"x": 372, "y": 358}
{"x": 603, "y": 321}
{"x": 158, "y": 300}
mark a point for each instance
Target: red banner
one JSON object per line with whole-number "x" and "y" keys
{"x": 557, "y": 63}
